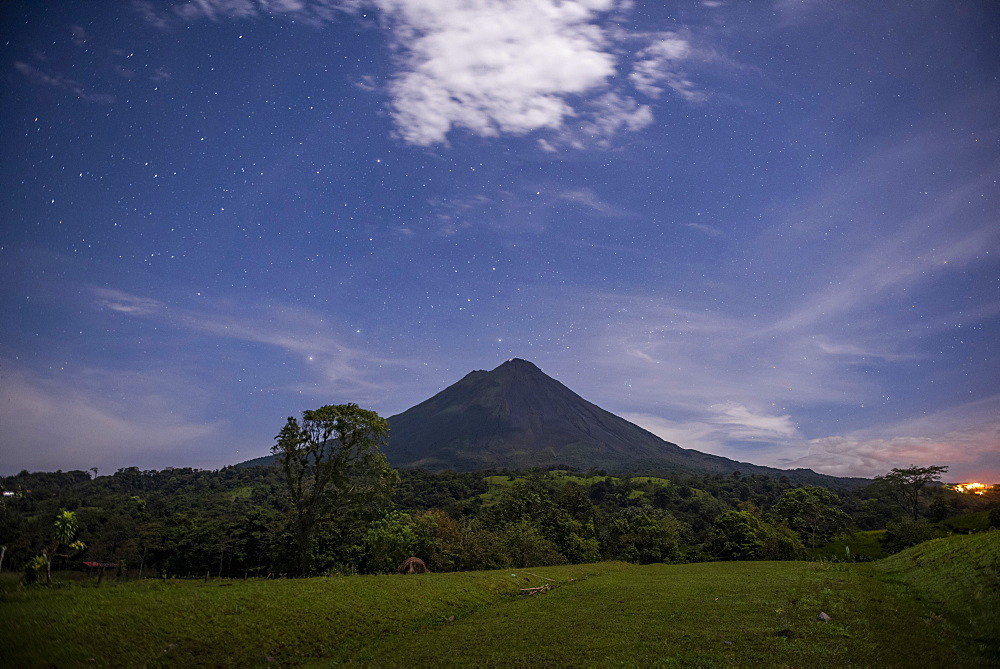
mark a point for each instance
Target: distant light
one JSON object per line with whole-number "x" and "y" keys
{"x": 970, "y": 488}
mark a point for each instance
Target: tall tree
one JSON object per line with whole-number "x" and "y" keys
{"x": 906, "y": 486}
{"x": 332, "y": 465}
{"x": 811, "y": 511}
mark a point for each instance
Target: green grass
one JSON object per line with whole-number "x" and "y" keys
{"x": 899, "y": 612}
{"x": 961, "y": 576}
{"x": 861, "y": 546}
{"x": 977, "y": 521}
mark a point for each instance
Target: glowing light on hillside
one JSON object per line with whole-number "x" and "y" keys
{"x": 970, "y": 488}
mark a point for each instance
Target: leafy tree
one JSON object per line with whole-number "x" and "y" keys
{"x": 994, "y": 516}
{"x": 643, "y": 535}
{"x": 902, "y": 535}
{"x": 528, "y": 546}
{"x": 744, "y": 535}
{"x": 65, "y": 529}
{"x": 389, "y": 541}
{"x": 438, "y": 540}
{"x": 332, "y": 467}
{"x": 811, "y": 511}
{"x": 481, "y": 548}
{"x": 905, "y": 486}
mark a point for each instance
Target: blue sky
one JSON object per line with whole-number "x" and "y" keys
{"x": 764, "y": 230}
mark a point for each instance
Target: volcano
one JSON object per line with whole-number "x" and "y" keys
{"x": 517, "y": 417}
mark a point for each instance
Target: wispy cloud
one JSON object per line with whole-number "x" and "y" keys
{"x": 150, "y": 15}
{"x": 123, "y": 302}
{"x": 966, "y": 438}
{"x": 41, "y": 78}
{"x": 80, "y": 418}
{"x": 329, "y": 363}
{"x": 587, "y": 198}
{"x": 840, "y": 327}
{"x": 601, "y": 119}
{"x": 155, "y": 412}
{"x": 316, "y": 13}
{"x": 658, "y": 66}
{"x": 709, "y": 230}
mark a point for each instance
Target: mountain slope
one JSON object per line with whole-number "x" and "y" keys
{"x": 516, "y": 417}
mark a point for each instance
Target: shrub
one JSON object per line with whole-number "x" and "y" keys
{"x": 34, "y": 570}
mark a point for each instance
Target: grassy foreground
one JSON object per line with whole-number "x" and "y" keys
{"x": 710, "y": 614}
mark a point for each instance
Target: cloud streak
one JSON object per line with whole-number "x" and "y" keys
{"x": 38, "y": 77}
{"x": 331, "y": 365}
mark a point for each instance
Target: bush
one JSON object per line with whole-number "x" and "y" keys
{"x": 743, "y": 535}
{"x": 528, "y": 547}
{"x": 388, "y": 542}
{"x": 902, "y": 535}
{"x": 34, "y": 570}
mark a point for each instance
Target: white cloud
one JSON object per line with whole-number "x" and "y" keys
{"x": 603, "y": 118}
{"x": 546, "y": 146}
{"x": 966, "y": 438}
{"x": 658, "y": 65}
{"x": 492, "y": 67}
{"x": 741, "y": 423}
{"x": 712, "y": 430}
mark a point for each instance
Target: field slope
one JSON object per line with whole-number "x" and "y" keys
{"x": 707, "y": 614}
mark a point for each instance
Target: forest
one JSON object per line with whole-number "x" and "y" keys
{"x": 238, "y": 522}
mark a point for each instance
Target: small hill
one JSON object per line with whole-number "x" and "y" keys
{"x": 961, "y": 575}
{"x": 517, "y": 417}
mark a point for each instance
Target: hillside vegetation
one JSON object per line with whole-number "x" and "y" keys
{"x": 898, "y": 612}
{"x": 960, "y": 575}
{"x": 236, "y": 522}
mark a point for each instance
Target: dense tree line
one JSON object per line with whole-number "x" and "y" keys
{"x": 239, "y": 521}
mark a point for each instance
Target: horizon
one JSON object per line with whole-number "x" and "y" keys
{"x": 763, "y": 231}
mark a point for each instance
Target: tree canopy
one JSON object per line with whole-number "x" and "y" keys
{"x": 905, "y": 486}
{"x": 333, "y": 467}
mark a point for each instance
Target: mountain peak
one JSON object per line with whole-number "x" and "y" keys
{"x": 518, "y": 367}
{"x": 518, "y": 363}
{"x": 517, "y": 416}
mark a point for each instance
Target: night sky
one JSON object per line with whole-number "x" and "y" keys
{"x": 764, "y": 230}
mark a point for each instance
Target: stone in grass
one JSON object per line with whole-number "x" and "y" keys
{"x": 823, "y": 617}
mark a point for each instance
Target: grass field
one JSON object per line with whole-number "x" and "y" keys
{"x": 909, "y": 610}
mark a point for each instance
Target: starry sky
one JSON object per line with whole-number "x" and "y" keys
{"x": 764, "y": 230}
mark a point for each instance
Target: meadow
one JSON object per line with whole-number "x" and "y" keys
{"x": 936, "y": 604}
